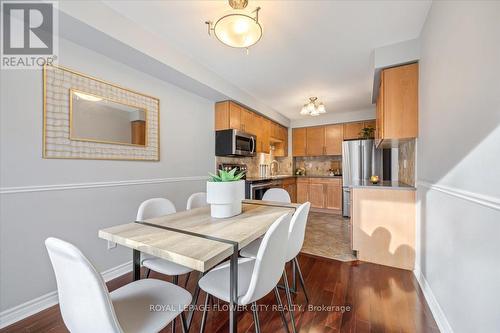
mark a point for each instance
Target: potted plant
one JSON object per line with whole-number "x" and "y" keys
{"x": 225, "y": 191}
{"x": 367, "y": 132}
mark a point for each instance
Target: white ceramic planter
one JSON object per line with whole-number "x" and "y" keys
{"x": 225, "y": 198}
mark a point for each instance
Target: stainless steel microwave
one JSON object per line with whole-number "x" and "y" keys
{"x": 232, "y": 142}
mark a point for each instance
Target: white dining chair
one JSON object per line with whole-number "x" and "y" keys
{"x": 87, "y": 305}
{"x": 154, "y": 208}
{"x": 197, "y": 200}
{"x": 277, "y": 194}
{"x": 256, "y": 276}
{"x": 296, "y": 236}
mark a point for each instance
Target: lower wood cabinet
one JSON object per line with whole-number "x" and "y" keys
{"x": 302, "y": 190}
{"x": 317, "y": 195}
{"x": 290, "y": 186}
{"x": 322, "y": 193}
{"x": 333, "y": 196}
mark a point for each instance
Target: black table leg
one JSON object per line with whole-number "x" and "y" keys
{"x": 233, "y": 285}
{"x": 136, "y": 264}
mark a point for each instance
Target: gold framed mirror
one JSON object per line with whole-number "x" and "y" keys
{"x": 89, "y": 118}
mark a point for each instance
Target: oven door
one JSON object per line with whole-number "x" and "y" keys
{"x": 243, "y": 144}
{"x": 257, "y": 190}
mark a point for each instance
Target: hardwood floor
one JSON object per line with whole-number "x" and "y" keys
{"x": 380, "y": 299}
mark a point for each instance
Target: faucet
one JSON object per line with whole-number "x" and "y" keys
{"x": 273, "y": 172}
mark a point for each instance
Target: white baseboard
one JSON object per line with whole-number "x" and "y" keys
{"x": 21, "y": 311}
{"x": 437, "y": 312}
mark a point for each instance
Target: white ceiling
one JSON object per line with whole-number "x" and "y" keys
{"x": 309, "y": 48}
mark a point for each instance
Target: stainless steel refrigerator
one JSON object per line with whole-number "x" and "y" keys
{"x": 360, "y": 160}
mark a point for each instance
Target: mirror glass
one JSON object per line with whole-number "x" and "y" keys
{"x": 99, "y": 119}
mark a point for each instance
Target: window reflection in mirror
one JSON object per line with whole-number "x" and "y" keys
{"x": 99, "y": 119}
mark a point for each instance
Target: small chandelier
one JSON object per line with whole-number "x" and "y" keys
{"x": 313, "y": 107}
{"x": 237, "y": 29}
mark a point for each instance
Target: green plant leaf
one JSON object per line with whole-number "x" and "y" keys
{"x": 226, "y": 176}
{"x": 214, "y": 178}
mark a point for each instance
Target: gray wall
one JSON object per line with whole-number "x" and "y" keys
{"x": 459, "y": 162}
{"x": 27, "y": 218}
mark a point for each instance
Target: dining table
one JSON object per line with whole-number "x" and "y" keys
{"x": 196, "y": 240}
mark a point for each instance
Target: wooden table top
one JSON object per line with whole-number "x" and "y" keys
{"x": 193, "y": 250}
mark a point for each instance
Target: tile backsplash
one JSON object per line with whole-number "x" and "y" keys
{"x": 406, "y": 173}
{"x": 319, "y": 166}
{"x": 285, "y": 164}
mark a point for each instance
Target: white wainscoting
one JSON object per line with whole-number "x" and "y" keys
{"x": 456, "y": 193}
{"x": 26, "y": 309}
{"x": 43, "y": 302}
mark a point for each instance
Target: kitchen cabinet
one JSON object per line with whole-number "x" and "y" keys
{"x": 333, "y": 191}
{"x": 278, "y": 138}
{"x": 299, "y": 142}
{"x": 397, "y": 105}
{"x": 302, "y": 190}
{"x": 249, "y": 122}
{"x": 352, "y": 131}
{"x": 290, "y": 186}
{"x": 324, "y": 194}
{"x": 326, "y": 140}
{"x": 229, "y": 114}
{"x": 264, "y": 134}
{"x": 333, "y": 139}
{"x": 315, "y": 141}
{"x": 317, "y": 195}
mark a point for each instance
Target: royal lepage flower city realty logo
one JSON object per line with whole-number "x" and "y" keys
{"x": 29, "y": 34}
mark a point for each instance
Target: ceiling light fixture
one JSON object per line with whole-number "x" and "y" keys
{"x": 313, "y": 107}
{"x": 238, "y": 29}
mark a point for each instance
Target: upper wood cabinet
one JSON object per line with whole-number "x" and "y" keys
{"x": 299, "y": 142}
{"x": 333, "y": 139}
{"x": 249, "y": 122}
{"x": 229, "y": 114}
{"x": 265, "y": 131}
{"x": 315, "y": 141}
{"x": 397, "y": 104}
{"x": 352, "y": 131}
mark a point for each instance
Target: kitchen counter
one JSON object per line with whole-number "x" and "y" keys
{"x": 318, "y": 176}
{"x": 385, "y": 184}
{"x": 279, "y": 177}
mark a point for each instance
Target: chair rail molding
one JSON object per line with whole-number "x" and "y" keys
{"x": 481, "y": 199}
{"x": 76, "y": 186}
{"x": 24, "y": 310}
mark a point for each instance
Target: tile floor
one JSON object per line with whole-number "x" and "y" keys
{"x": 328, "y": 235}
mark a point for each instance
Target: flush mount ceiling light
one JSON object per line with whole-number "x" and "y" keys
{"x": 237, "y": 29}
{"x": 313, "y": 108}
